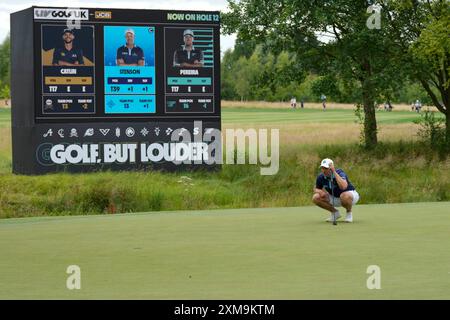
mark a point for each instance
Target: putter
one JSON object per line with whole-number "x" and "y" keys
{"x": 332, "y": 199}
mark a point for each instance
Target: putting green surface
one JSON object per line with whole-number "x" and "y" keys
{"x": 273, "y": 253}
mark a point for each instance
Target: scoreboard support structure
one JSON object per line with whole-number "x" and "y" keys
{"x": 114, "y": 89}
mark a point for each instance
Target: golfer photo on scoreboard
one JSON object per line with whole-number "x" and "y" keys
{"x": 68, "y": 55}
{"x": 130, "y": 54}
{"x": 188, "y": 56}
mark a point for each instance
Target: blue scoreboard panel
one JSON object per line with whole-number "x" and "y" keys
{"x": 90, "y": 76}
{"x": 130, "y": 85}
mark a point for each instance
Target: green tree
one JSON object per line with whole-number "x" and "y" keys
{"x": 410, "y": 92}
{"x": 289, "y": 73}
{"x": 421, "y": 30}
{"x": 332, "y": 39}
{"x": 264, "y": 85}
{"x": 5, "y": 61}
{"x": 326, "y": 84}
{"x": 227, "y": 78}
{"x": 242, "y": 78}
{"x": 243, "y": 47}
{"x": 5, "y": 91}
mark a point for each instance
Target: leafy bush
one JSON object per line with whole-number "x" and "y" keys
{"x": 432, "y": 133}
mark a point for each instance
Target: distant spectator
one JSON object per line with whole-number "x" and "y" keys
{"x": 387, "y": 106}
{"x": 302, "y": 103}
{"x": 293, "y": 102}
{"x": 323, "y": 98}
{"x": 417, "y": 106}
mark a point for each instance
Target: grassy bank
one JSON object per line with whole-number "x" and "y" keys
{"x": 399, "y": 170}
{"x": 395, "y": 172}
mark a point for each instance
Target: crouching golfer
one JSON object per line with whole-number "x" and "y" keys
{"x": 338, "y": 191}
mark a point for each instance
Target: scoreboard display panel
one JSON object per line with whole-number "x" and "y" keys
{"x": 129, "y": 71}
{"x": 87, "y": 79}
{"x": 68, "y": 76}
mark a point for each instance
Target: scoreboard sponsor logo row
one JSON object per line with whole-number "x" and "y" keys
{"x": 130, "y": 132}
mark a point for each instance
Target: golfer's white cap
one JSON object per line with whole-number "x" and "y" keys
{"x": 188, "y": 32}
{"x": 326, "y": 163}
{"x": 129, "y": 31}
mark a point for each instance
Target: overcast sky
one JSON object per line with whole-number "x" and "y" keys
{"x": 9, "y": 6}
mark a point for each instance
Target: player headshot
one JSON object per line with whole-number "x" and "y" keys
{"x": 68, "y": 55}
{"x": 188, "y": 56}
{"x": 130, "y": 54}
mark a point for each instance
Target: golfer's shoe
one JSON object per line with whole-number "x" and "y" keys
{"x": 330, "y": 219}
{"x": 349, "y": 217}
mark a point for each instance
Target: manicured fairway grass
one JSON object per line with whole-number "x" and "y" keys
{"x": 282, "y": 253}
{"x": 282, "y": 116}
{"x": 5, "y": 118}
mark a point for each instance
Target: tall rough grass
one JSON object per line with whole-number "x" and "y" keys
{"x": 393, "y": 172}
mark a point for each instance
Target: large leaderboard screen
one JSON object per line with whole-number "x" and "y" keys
{"x": 110, "y": 76}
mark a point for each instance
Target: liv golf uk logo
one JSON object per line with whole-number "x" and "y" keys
{"x": 61, "y": 14}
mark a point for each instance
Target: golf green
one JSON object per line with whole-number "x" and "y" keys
{"x": 272, "y": 253}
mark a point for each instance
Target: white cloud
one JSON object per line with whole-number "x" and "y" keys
{"x": 10, "y": 6}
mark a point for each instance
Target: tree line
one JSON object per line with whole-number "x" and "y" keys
{"x": 252, "y": 72}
